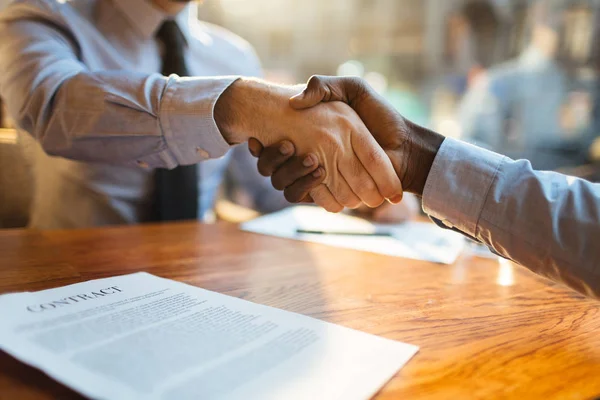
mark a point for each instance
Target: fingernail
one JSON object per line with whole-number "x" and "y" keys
{"x": 309, "y": 161}
{"x": 318, "y": 173}
{"x": 286, "y": 148}
{"x": 396, "y": 199}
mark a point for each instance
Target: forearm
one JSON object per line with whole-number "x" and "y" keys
{"x": 126, "y": 118}
{"x": 545, "y": 221}
{"x": 113, "y": 117}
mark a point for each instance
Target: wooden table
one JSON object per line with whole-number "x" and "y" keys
{"x": 486, "y": 330}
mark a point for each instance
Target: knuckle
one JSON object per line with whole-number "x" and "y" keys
{"x": 325, "y": 133}
{"x": 370, "y": 193}
{"x": 345, "y": 198}
{"x": 342, "y": 125}
{"x": 318, "y": 82}
{"x": 319, "y": 194}
{"x": 355, "y": 81}
{"x": 348, "y": 124}
{"x": 333, "y": 139}
{"x": 314, "y": 80}
{"x": 368, "y": 186}
{"x": 374, "y": 157}
{"x": 358, "y": 85}
{"x": 328, "y": 140}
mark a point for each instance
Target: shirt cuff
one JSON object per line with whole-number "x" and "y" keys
{"x": 458, "y": 184}
{"x": 187, "y": 119}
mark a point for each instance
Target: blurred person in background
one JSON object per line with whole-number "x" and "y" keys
{"x": 472, "y": 40}
{"x": 593, "y": 172}
{"x": 470, "y": 49}
{"x": 520, "y": 108}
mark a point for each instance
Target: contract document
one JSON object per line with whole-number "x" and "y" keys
{"x": 143, "y": 337}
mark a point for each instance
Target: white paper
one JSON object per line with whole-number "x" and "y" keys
{"x": 143, "y": 337}
{"x": 415, "y": 240}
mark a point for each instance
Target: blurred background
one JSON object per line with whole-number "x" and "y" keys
{"x": 519, "y": 77}
{"x": 516, "y": 76}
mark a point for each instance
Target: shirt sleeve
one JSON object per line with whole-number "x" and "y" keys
{"x": 117, "y": 117}
{"x": 546, "y": 221}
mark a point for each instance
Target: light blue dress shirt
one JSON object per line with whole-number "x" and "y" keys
{"x": 545, "y": 221}
{"x": 81, "y": 78}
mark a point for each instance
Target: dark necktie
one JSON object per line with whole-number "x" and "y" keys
{"x": 176, "y": 190}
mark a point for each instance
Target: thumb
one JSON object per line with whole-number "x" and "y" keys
{"x": 315, "y": 92}
{"x": 306, "y": 99}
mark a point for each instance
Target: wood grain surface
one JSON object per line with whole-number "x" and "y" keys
{"x": 486, "y": 329}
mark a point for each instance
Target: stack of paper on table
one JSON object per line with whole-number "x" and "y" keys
{"x": 416, "y": 240}
{"x": 143, "y": 337}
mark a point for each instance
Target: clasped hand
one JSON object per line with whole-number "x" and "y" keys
{"x": 354, "y": 169}
{"x": 410, "y": 149}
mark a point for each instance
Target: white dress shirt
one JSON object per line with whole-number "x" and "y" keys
{"x": 545, "y": 221}
{"x": 81, "y": 77}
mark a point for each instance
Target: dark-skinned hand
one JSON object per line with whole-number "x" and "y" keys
{"x": 411, "y": 148}
{"x": 299, "y": 175}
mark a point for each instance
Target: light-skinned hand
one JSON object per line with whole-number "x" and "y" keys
{"x": 355, "y": 167}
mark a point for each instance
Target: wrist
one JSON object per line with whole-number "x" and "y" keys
{"x": 229, "y": 112}
{"x": 424, "y": 148}
{"x": 247, "y": 108}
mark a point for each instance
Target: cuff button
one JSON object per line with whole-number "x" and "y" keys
{"x": 202, "y": 153}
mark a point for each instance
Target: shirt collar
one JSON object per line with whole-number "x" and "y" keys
{"x": 146, "y": 19}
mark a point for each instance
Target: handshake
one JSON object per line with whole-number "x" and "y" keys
{"x": 337, "y": 143}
